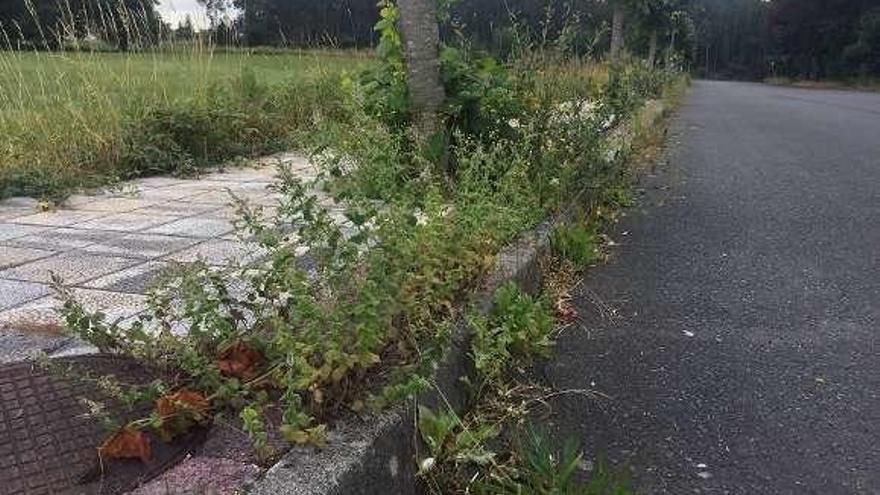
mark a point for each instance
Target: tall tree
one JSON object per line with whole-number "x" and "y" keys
{"x": 618, "y": 19}
{"x": 421, "y": 50}
{"x": 655, "y": 19}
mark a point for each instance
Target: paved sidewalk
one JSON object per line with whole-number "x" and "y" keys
{"x": 110, "y": 246}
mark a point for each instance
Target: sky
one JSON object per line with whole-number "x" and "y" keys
{"x": 174, "y": 11}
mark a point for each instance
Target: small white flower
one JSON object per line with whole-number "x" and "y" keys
{"x": 427, "y": 464}
{"x": 421, "y": 218}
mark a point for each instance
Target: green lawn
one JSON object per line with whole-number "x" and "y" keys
{"x": 76, "y": 119}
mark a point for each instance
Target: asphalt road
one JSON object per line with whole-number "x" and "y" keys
{"x": 735, "y": 330}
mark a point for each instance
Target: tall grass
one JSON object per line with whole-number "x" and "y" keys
{"x": 78, "y": 117}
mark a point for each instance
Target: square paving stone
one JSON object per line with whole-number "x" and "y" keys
{"x": 60, "y": 239}
{"x": 7, "y": 213}
{"x": 219, "y": 252}
{"x": 135, "y": 280}
{"x": 166, "y": 193}
{"x": 11, "y": 256}
{"x": 157, "y": 182}
{"x": 19, "y": 202}
{"x": 126, "y": 222}
{"x": 219, "y": 196}
{"x": 42, "y": 314}
{"x": 142, "y": 246}
{"x": 201, "y": 227}
{"x": 116, "y": 205}
{"x": 14, "y": 292}
{"x": 74, "y": 201}
{"x": 193, "y": 187}
{"x": 244, "y": 175}
{"x": 73, "y": 267}
{"x": 177, "y": 208}
{"x": 15, "y": 231}
{"x": 60, "y": 218}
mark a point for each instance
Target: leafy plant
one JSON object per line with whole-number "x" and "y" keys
{"x": 516, "y": 331}
{"x": 542, "y": 469}
{"x": 577, "y": 241}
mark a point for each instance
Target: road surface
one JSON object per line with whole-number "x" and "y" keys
{"x": 735, "y": 330}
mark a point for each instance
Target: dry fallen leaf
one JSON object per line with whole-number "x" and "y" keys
{"x": 127, "y": 444}
{"x": 240, "y": 361}
{"x": 182, "y": 400}
{"x": 565, "y": 312}
{"x": 179, "y": 411}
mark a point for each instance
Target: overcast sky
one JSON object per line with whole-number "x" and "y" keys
{"x": 174, "y": 11}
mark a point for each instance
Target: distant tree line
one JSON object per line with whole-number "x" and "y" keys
{"x": 792, "y": 38}
{"x": 715, "y": 38}
{"x": 55, "y": 24}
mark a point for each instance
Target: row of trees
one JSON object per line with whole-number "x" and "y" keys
{"x": 53, "y": 24}
{"x": 792, "y": 38}
{"x": 584, "y": 25}
{"x": 717, "y": 38}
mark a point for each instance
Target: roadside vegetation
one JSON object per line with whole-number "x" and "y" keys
{"x": 282, "y": 346}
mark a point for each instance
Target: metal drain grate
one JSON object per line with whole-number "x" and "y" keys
{"x": 48, "y": 445}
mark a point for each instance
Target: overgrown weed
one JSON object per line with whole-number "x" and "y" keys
{"x": 362, "y": 323}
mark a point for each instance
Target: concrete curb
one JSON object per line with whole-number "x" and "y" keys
{"x": 377, "y": 454}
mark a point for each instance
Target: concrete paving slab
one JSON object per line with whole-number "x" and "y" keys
{"x": 73, "y": 267}
{"x": 116, "y": 205}
{"x": 219, "y": 196}
{"x": 141, "y": 246}
{"x": 19, "y": 202}
{"x": 15, "y": 231}
{"x": 41, "y": 315}
{"x": 126, "y": 222}
{"x": 20, "y": 346}
{"x": 117, "y": 242}
{"x": 219, "y": 252}
{"x": 194, "y": 186}
{"x": 176, "y": 208}
{"x": 77, "y": 200}
{"x": 7, "y": 213}
{"x": 243, "y": 176}
{"x": 164, "y": 193}
{"x": 12, "y": 256}
{"x": 198, "y": 227}
{"x": 157, "y": 182}
{"x": 138, "y": 279}
{"x": 60, "y": 238}
{"x": 14, "y": 292}
{"x": 59, "y": 218}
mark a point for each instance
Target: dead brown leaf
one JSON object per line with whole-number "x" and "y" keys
{"x": 127, "y": 444}
{"x": 240, "y": 361}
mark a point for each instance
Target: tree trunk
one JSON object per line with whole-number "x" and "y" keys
{"x": 671, "y": 49}
{"x": 421, "y": 50}
{"x": 617, "y": 20}
{"x": 652, "y": 49}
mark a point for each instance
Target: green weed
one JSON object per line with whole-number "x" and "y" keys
{"x": 516, "y": 331}
{"x": 578, "y": 241}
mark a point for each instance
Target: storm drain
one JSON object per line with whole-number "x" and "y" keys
{"x": 48, "y": 442}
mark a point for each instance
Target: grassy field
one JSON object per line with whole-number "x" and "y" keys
{"x": 71, "y": 119}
